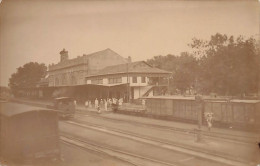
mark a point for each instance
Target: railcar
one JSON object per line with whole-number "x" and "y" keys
{"x": 242, "y": 113}
{"x": 28, "y": 133}
{"x": 235, "y": 112}
{"x": 65, "y": 106}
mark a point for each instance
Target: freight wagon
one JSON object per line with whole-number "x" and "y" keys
{"x": 242, "y": 113}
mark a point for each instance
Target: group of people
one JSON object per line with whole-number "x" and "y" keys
{"x": 103, "y": 104}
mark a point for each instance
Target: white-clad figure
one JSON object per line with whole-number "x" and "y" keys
{"x": 109, "y": 101}
{"x": 114, "y": 100}
{"x": 101, "y": 103}
{"x": 120, "y": 101}
{"x": 98, "y": 109}
{"x": 105, "y": 104}
{"x": 209, "y": 118}
{"x": 86, "y": 104}
{"x": 96, "y": 103}
{"x": 75, "y": 102}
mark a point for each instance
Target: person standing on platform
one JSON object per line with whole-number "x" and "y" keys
{"x": 120, "y": 101}
{"x": 105, "y": 104}
{"x": 209, "y": 119}
{"x": 98, "y": 109}
{"x": 109, "y": 101}
{"x": 96, "y": 103}
{"x": 101, "y": 103}
{"x": 86, "y": 104}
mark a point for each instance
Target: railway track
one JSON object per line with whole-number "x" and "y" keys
{"x": 134, "y": 159}
{"x": 212, "y": 135}
{"x": 163, "y": 144}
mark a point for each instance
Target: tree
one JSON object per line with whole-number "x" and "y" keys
{"x": 224, "y": 65}
{"x": 227, "y": 66}
{"x": 27, "y": 76}
{"x": 183, "y": 68}
{"x": 185, "y": 72}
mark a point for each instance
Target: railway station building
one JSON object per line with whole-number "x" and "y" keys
{"x": 70, "y": 72}
{"x": 134, "y": 80}
{"x": 103, "y": 74}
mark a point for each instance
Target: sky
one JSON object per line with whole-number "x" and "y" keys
{"x": 37, "y": 30}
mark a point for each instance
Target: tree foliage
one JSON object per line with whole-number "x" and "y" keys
{"x": 183, "y": 69}
{"x": 229, "y": 66}
{"x": 224, "y": 65}
{"x": 27, "y": 76}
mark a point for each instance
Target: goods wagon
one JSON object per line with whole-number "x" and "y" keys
{"x": 227, "y": 112}
{"x": 28, "y": 133}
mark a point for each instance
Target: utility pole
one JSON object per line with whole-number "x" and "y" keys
{"x": 258, "y": 53}
{"x": 200, "y": 109}
{"x": 168, "y": 89}
{"x": 127, "y": 85}
{"x": 170, "y": 77}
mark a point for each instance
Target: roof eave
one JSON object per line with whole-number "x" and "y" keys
{"x": 127, "y": 73}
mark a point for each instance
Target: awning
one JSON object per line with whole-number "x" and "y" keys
{"x": 109, "y": 85}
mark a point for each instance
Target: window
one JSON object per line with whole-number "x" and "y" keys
{"x": 143, "y": 79}
{"x": 115, "y": 80}
{"x": 97, "y": 81}
{"x": 134, "y": 79}
{"x": 119, "y": 80}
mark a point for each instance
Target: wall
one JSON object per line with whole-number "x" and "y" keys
{"x": 140, "y": 91}
{"x": 69, "y": 76}
{"x": 68, "y": 72}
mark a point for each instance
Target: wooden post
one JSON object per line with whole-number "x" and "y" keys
{"x": 200, "y": 106}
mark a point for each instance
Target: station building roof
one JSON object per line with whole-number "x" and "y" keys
{"x": 80, "y": 60}
{"x": 133, "y": 67}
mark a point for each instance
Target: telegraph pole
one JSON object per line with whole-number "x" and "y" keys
{"x": 127, "y": 85}
{"x": 258, "y": 53}
{"x": 200, "y": 109}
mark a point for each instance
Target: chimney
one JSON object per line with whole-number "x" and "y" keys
{"x": 64, "y": 55}
{"x": 129, "y": 59}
